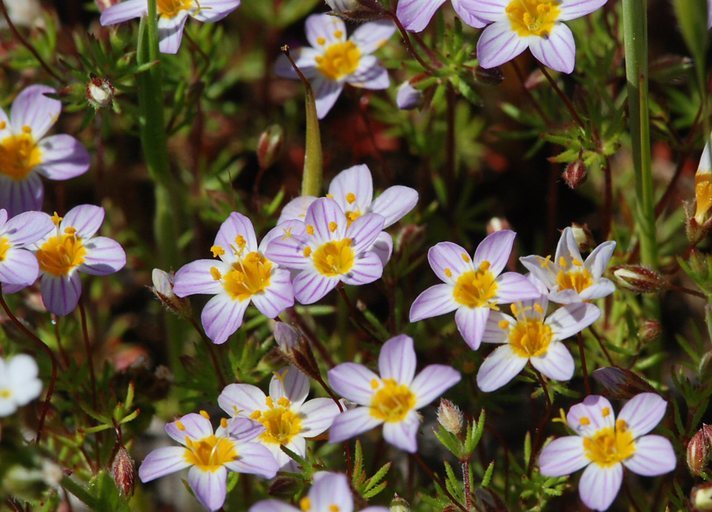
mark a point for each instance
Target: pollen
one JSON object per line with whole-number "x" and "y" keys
{"x": 577, "y": 263}
{"x": 375, "y": 384}
{"x": 56, "y": 219}
{"x": 392, "y": 402}
{"x": 338, "y": 34}
{"x": 339, "y": 60}
{"x": 321, "y": 41}
{"x": 334, "y": 508}
{"x": 217, "y": 250}
{"x": 533, "y": 17}
{"x": 605, "y": 412}
{"x": 465, "y": 257}
{"x": 607, "y": 446}
{"x": 26, "y": 129}
{"x": 223, "y": 422}
{"x": 577, "y": 279}
{"x": 280, "y": 422}
{"x": 562, "y": 262}
{"x": 310, "y": 229}
{"x": 3, "y": 125}
{"x": 240, "y": 241}
{"x": 255, "y": 415}
{"x": 546, "y": 262}
{"x": 350, "y": 198}
{"x": 305, "y": 504}
{"x": 448, "y": 272}
{"x": 335, "y": 258}
{"x": 284, "y": 401}
{"x": 503, "y": 324}
{"x": 333, "y": 226}
{"x": 538, "y": 308}
{"x": 171, "y": 8}
{"x": 180, "y": 426}
{"x": 307, "y": 251}
{"x": 19, "y": 156}
{"x": 583, "y": 420}
{"x": 205, "y": 415}
{"x": 215, "y": 273}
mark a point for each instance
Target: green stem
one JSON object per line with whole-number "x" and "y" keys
{"x": 635, "y": 33}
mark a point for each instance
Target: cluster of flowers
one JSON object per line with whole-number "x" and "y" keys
{"x": 33, "y": 244}
{"x": 251, "y": 440}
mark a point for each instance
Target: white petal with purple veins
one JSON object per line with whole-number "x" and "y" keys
{"x": 653, "y": 456}
{"x": 402, "y": 434}
{"x": 500, "y": 367}
{"x": 432, "y": 382}
{"x": 435, "y": 301}
{"x": 397, "y": 359}
{"x": 104, "y": 256}
{"x": 352, "y": 423}
{"x": 643, "y": 412}
{"x": 353, "y": 382}
{"x": 598, "y": 487}
{"x": 222, "y": 316}
{"x": 498, "y": 44}
{"x": 562, "y": 456}
{"x": 63, "y": 157}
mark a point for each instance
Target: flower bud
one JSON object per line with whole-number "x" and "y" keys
{"x": 356, "y": 10}
{"x": 703, "y": 186}
{"x": 583, "y": 236}
{"x": 639, "y": 279}
{"x": 269, "y": 146}
{"x": 450, "y": 416}
{"x": 283, "y": 486}
{"x": 575, "y": 174}
{"x": 701, "y": 497}
{"x": 699, "y": 450}
{"x": 491, "y": 76}
{"x": 398, "y": 504}
{"x": 123, "y": 470}
{"x": 497, "y": 224}
{"x": 619, "y": 383}
{"x": 100, "y": 92}
{"x": 649, "y": 330}
{"x": 295, "y": 349}
{"x": 409, "y": 97}
{"x": 163, "y": 289}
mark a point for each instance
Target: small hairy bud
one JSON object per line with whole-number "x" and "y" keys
{"x": 295, "y": 349}
{"x": 649, "y": 330}
{"x": 123, "y": 470}
{"x": 619, "y": 383}
{"x": 450, "y": 416}
{"x": 163, "y": 289}
{"x": 269, "y": 146}
{"x": 100, "y": 92}
{"x": 639, "y": 279}
{"x": 701, "y": 497}
{"x": 699, "y": 450}
{"x": 408, "y": 97}
{"x": 497, "y": 224}
{"x": 575, "y": 174}
{"x": 398, "y": 504}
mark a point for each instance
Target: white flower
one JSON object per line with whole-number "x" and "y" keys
{"x": 19, "y": 384}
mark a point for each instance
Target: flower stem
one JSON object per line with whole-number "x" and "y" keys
{"x": 635, "y": 33}
{"x": 89, "y": 351}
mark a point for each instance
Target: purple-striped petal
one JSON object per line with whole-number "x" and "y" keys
{"x": 104, "y": 256}
{"x": 603, "y": 288}
{"x": 557, "y": 51}
{"x": 195, "y": 278}
{"x": 370, "y": 74}
{"x": 487, "y": 10}
{"x": 435, "y": 301}
{"x": 161, "y": 462}
{"x": 598, "y": 260}
{"x": 214, "y": 10}
{"x": 371, "y": 36}
{"x": 33, "y": 109}
{"x": 397, "y": 359}
{"x": 448, "y": 261}
{"x": 402, "y": 434}
{"x": 353, "y": 382}
{"x": 290, "y": 383}
{"x": 572, "y": 9}
{"x": 278, "y": 296}
{"x": 471, "y": 323}
{"x": 170, "y": 32}
{"x": 296, "y": 209}
{"x": 395, "y": 203}
{"x": 209, "y": 487}
{"x": 562, "y": 456}
{"x": 272, "y": 506}
{"x": 495, "y": 250}
{"x": 500, "y": 367}
{"x": 60, "y": 295}
{"x": 571, "y": 319}
{"x": 241, "y": 399}
{"x": 235, "y": 226}
{"x": 432, "y": 382}
{"x": 513, "y": 287}
{"x": 326, "y": 92}
{"x": 653, "y": 456}
{"x": 192, "y": 425}
{"x": 465, "y": 10}
{"x": 85, "y": 218}
{"x": 498, "y": 44}
{"x": 416, "y": 14}
{"x": 352, "y": 188}
{"x": 310, "y": 286}
{"x": 326, "y": 220}
{"x": 323, "y": 30}
{"x": 557, "y": 363}
{"x": 285, "y": 245}
{"x": 21, "y": 196}
{"x": 123, "y": 11}
{"x": 643, "y": 412}
{"x": 542, "y": 269}
{"x": 26, "y": 228}
{"x": 367, "y": 269}
{"x": 18, "y": 267}
{"x": 383, "y": 247}
{"x": 567, "y": 247}
{"x": 364, "y": 231}
{"x": 496, "y": 331}
{"x": 222, "y": 316}
{"x": 63, "y": 157}
{"x": 598, "y": 487}
{"x": 352, "y": 423}
{"x": 332, "y": 492}
{"x": 319, "y": 414}
{"x": 594, "y": 413}
{"x": 254, "y": 459}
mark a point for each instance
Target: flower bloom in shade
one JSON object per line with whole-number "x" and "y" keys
{"x": 330, "y": 493}
{"x": 19, "y": 384}
{"x": 241, "y": 274}
{"x": 416, "y": 14}
{"x": 604, "y": 445}
{"x": 532, "y": 336}
{"x": 172, "y": 15}
{"x": 352, "y": 189}
{"x": 209, "y": 454}
{"x": 515, "y": 25}
{"x": 18, "y": 266}
{"x": 71, "y": 248}
{"x": 391, "y": 399}
{"x": 287, "y": 417}
{"x": 333, "y": 60}
{"x": 26, "y": 154}
{"x": 327, "y": 249}
{"x": 472, "y": 286}
{"x": 568, "y": 277}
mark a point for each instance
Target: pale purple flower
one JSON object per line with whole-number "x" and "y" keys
{"x": 532, "y": 336}
{"x": 19, "y": 384}
{"x": 18, "y": 265}
{"x": 568, "y": 277}
{"x": 472, "y": 286}
{"x": 26, "y": 154}
{"x": 172, "y": 15}
{"x": 333, "y": 60}
{"x": 515, "y": 25}
{"x": 326, "y": 249}
{"x": 352, "y": 189}
{"x": 331, "y": 492}
{"x": 604, "y": 445}
{"x": 392, "y": 398}
{"x": 241, "y": 274}
{"x": 408, "y": 97}
{"x": 286, "y": 414}
{"x": 416, "y": 14}
{"x": 209, "y": 454}
{"x": 70, "y": 248}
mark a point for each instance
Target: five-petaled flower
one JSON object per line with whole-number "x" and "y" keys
{"x": 472, "y": 286}
{"x": 568, "y": 277}
{"x": 241, "y": 274}
{"x": 70, "y": 248}
{"x": 352, "y": 189}
{"x": 26, "y": 154}
{"x": 327, "y": 248}
{"x": 334, "y": 60}
{"x": 172, "y": 15}
{"x": 18, "y": 266}
{"x": 532, "y": 336}
{"x": 515, "y": 25}
{"x": 209, "y": 454}
{"x": 19, "y": 384}
{"x": 392, "y": 398}
{"x": 330, "y": 493}
{"x": 416, "y": 14}
{"x": 604, "y": 445}
{"x": 287, "y": 418}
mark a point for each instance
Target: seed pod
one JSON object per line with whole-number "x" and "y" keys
{"x": 639, "y": 279}
{"x": 491, "y": 76}
{"x": 356, "y": 10}
{"x": 163, "y": 290}
{"x": 269, "y": 146}
{"x": 123, "y": 470}
{"x": 575, "y": 174}
{"x": 295, "y": 349}
{"x": 619, "y": 383}
{"x": 450, "y": 416}
{"x": 699, "y": 450}
{"x": 583, "y": 236}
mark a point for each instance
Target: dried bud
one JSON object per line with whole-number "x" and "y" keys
{"x": 701, "y": 497}
{"x": 163, "y": 289}
{"x": 450, "y": 416}
{"x": 408, "y": 97}
{"x": 497, "y": 224}
{"x": 398, "y": 504}
{"x": 619, "y": 383}
{"x": 295, "y": 349}
{"x": 583, "y": 236}
{"x": 575, "y": 174}
{"x": 639, "y": 279}
{"x": 491, "y": 76}
{"x": 100, "y": 92}
{"x": 269, "y": 146}
{"x": 123, "y": 470}
{"x": 356, "y": 10}
{"x": 699, "y": 450}
{"x": 649, "y": 330}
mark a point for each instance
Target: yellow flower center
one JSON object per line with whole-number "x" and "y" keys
{"x": 475, "y": 288}
{"x": 392, "y": 402}
{"x": 609, "y": 446}
{"x": 5, "y": 393}
{"x": 339, "y": 60}
{"x": 19, "y": 154}
{"x": 280, "y": 422}
{"x": 530, "y": 338}
{"x": 4, "y": 247}
{"x": 210, "y": 453}
{"x": 533, "y": 17}
{"x": 171, "y": 8}
{"x": 334, "y": 258}
{"x": 248, "y": 277}
{"x": 62, "y": 253}
{"x": 703, "y": 196}
{"x": 577, "y": 279}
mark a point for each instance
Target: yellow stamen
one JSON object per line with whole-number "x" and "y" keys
{"x": 210, "y": 453}
{"x": 217, "y": 250}
{"x": 533, "y": 17}
{"x": 248, "y": 276}
{"x": 350, "y": 197}
{"x": 476, "y": 288}
{"x": 530, "y": 338}
{"x": 61, "y": 254}
{"x": 19, "y": 156}
{"x": 334, "y": 258}
{"x": 339, "y": 60}
{"x": 333, "y": 226}
{"x": 392, "y": 402}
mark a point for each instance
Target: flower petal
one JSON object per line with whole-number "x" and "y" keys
{"x": 26, "y": 228}
{"x": 599, "y": 258}
{"x": 562, "y": 456}
{"x": 572, "y": 9}
{"x": 558, "y": 51}
{"x": 402, "y": 434}
{"x": 557, "y": 363}
{"x": 236, "y": 225}
{"x": 21, "y": 196}
{"x": 435, "y": 301}
{"x": 513, "y": 287}
{"x": 327, "y": 221}
{"x": 495, "y": 250}
{"x": 272, "y": 506}
{"x": 209, "y": 487}
{"x": 643, "y": 412}
{"x": 567, "y": 247}
{"x": 571, "y": 319}
{"x": 465, "y": 10}
{"x": 241, "y": 399}
{"x": 317, "y": 416}
{"x": 449, "y": 261}
{"x": 416, "y": 14}
{"x": 326, "y": 92}
{"x": 19, "y": 267}
{"x": 22, "y": 373}
{"x": 161, "y": 462}
{"x": 352, "y": 423}
{"x": 487, "y": 10}
{"x": 214, "y": 10}
{"x": 195, "y": 278}
{"x": 304, "y": 59}
{"x": 278, "y": 296}
{"x": 222, "y": 316}
{"x": 289, "y": 383}
{"x": 471, "y": 323}
{"x": 395, "y": 203}
{"x": 494, "y": 333}
{"x": 653, "y": 456}
{"x": 85, "y": 218}
{"x": 541, "y": 268}
{"x": 170, "y": 32}
{"x": 60, "y": 295}
{"x": 33, "y": 109}
{"x": 371, "y": 36}
{"x": 364, "y": 231}
{"x": 352, "y": 188}
{"x": 367, "y": 269}
{"x": 296, "y": 209}
{"x": 397, "y": 359}
{"x": 192, "y": 425}
{"x": 331, "y": 491}
{"x": 123, "y": 11}
{"x": 254, "y": 459}
{"x": 594, "y": 413}
{"x": 104, "y": 256}
{"x": 598, "y": 487}
{"x": 285, "y": 245}
{"x": 501, "y": 366}
{"x": 63, "y": 157}
{"x": 602, "y": 288}
{"x": 322, "y": 30}
{"x": 432, "y": 382}
{"x": 498, "y": 44}
{"x": 310, "y": 286}
{"x": 353, "y": 382}
{"x": 370, "y": 74}
{"x": 383, "y": 247}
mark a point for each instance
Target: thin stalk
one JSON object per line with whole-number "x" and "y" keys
{"x": 211, "y": 352}
{"x": 465, "y": 465}
{"x": 584, "y": 368}
{"x": 89, "y": 351}
{"x": 563, "y": 97}
{"x": 635, "y": 33}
